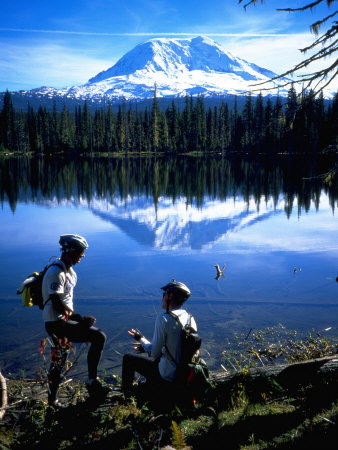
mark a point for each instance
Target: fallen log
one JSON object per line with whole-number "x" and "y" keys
{"x": 287, "y": 378}
{"x": 3, "y": 400}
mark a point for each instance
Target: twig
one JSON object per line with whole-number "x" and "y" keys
{"x": 3, "y": 405}
{"x": 326, "y": 420}
{"x": 256, "y": 353}
{"x": 235, "y": 368}
{"x": 323, "y": 175}
{"x": 225, "y": 370}
{"x": 246, "y": 337}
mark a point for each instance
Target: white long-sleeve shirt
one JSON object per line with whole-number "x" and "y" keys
{"x": 167, "y": 333}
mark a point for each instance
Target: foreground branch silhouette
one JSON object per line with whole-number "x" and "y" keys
{"x": 324, "y": 46}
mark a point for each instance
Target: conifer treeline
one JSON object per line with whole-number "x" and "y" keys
{"x": 300, "y": 125}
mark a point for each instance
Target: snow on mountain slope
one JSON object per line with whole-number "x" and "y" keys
{"x": 179, "y": 56}
{"x": 177, "y": 67}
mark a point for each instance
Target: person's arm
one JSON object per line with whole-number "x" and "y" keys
{"x": 61, "y": 308}
{"x": 158, "y": 341}
{"x": 153, "y": 348}
{"x": 58, "y": 304}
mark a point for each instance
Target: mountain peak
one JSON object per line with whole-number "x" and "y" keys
{"x": 178, "y": 67}
{"x": 172, "y": 56}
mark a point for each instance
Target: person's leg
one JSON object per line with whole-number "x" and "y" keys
{"x": 145, "y": 366}
{"x": 76, "y": 332}
{"x": 58, "y": 360}
{"x": 97, "y": 338}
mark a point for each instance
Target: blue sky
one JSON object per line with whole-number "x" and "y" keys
{"x": 65, "y": 43}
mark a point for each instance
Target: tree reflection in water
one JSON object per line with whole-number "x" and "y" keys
{"x": 26, "y": 179}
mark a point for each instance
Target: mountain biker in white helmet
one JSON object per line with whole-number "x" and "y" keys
{"x": 62, "y": 322}
{"x": 165, "y": 348}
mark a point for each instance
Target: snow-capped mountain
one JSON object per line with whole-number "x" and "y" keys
{"x": 176, "y": 66}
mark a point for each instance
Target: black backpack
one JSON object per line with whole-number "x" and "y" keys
{"x": 192, "y": 371}
{"x": 31, "y": 287}
{"x": 191, "y": 341}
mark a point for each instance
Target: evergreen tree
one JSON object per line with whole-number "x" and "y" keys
{"x": 110, "y": 131}
{"x": 7, "y": 123}
{"x": 121, "y": 126}
{"x": 173, "y": 121}
{"x": 292, "y": 106}
{"x": 99, "y": 131}
{"x": 210, "y": 123}
{"x": 320, "y": 120}
{"x": 247, "y": 117}
{"x": 67, "y": 130}
{"x": 43, "y": 128}
{"x": 22, "y": 132}
{"x": 130, "y": 144}
{"x": 186, "y": 123}
{"x": 268, "y": 125}
{"x": 277, "y": 124}
{"x": 54, "y": 129}
{"x": 224, "y": 130}
{"x": 86, "y": 129}
{"x": 258, "y": 130}
{"x": 33, "y": 136}
{"x": 155, "y": 122}
{"x": 236, "y": 128}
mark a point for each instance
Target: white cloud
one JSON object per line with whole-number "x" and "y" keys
{"x": 49, "y": 65}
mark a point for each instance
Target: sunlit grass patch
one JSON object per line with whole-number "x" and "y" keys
{"x": 276, "y": 345}
{"x": 230, "y": 417}
{"x": 277, "y": 408}
{"x": 196, "y": 427}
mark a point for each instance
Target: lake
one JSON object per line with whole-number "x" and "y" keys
{"x": 149, "y": 219}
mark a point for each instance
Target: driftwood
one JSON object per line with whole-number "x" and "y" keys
{"x": 280, "y": 378}
{"x": 3, "y": 401}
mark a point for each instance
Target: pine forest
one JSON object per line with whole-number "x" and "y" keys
{"x": 294, "y": 124}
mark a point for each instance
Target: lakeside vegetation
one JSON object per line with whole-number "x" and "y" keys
{"x": 250, "y": 417}
{"x": 272, "y": 125}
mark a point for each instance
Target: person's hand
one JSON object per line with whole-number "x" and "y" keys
{"x": 135, "y": 334}
{"x": 138, "y": 347}
{"x": 66, "y": 315}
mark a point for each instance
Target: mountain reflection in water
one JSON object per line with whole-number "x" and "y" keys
{"x": 148, "y": 219}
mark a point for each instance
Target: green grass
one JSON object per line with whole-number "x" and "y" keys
{"x": 305, "y": 418}
{"x": 304, "y": 421}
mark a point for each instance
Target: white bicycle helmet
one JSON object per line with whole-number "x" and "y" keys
{"x": 73, "y": 242}
{"x": 177, "y": 286}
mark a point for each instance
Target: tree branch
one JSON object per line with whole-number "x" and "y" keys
{"x": 3, "y": 403}
{"x": 315, "y": 26}
{"x": 328, "y": 49}
{"x": 305, "y": 7}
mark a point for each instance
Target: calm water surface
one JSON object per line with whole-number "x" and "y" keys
{"x": 149, "y": 220}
